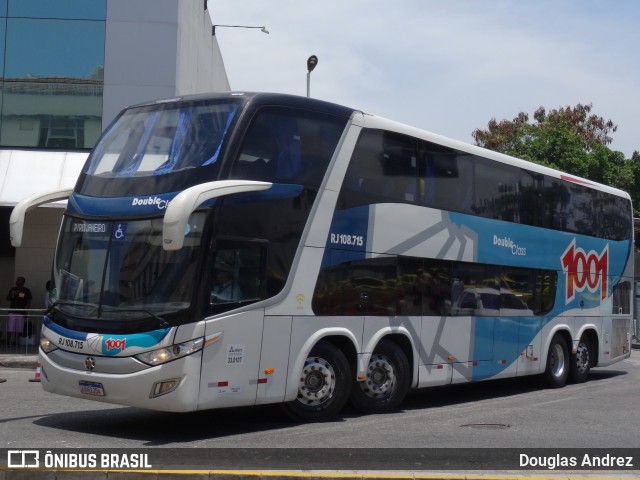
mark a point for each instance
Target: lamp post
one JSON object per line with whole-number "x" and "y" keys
{"x": 312, "y": 61}
{"x": 213, "y": 29}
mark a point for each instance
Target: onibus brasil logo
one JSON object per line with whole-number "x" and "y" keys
{"x": 70, "y": 460}
{"x": 584, "y": 270}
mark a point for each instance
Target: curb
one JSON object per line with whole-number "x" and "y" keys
{"x": 294, "y": 475}
{"x": 21, "y": 361}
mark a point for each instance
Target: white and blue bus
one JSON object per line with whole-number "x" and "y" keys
{"x": 242, "y": 249}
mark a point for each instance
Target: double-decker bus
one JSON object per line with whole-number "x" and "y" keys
{"x": 242, "y": 249}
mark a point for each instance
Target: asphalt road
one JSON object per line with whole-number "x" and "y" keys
{"x": 603, "y": 413}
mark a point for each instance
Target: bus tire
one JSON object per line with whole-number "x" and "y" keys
{"x": 324, "y": 385}
{"x": 387, "y": 381}
{"x": 581, "y": 361}
{"x": 557, "y": 370}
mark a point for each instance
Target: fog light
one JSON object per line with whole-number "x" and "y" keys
{"x": 164, "y": 387}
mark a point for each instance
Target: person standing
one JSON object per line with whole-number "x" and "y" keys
{"x": 47, "y": 295}
{"x": 19, "y": 298}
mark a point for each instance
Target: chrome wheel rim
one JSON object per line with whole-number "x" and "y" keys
{"x": 381, "y": 377}
{"x": 558, "y": 362}
{"x": 317, "y": 382}
{"x": 582, "y": 358}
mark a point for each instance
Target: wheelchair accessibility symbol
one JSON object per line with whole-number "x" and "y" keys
{"x": 120, "y": 231}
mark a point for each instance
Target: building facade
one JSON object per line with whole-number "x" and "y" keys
{"x": 67, "y": 67}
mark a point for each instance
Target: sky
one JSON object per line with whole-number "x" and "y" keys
{"x": 447, "y": 66}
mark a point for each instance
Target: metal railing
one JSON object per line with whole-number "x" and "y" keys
{"x": 27, "y": 339}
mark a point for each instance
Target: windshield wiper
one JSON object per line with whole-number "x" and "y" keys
{"x": 65, "y": 303}
{"x": 162, "y": 323}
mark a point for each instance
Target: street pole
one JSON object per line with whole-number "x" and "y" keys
{"x": 311, "y": 64}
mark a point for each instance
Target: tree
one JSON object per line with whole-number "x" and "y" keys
{"x": 629, "y": 180}
{"x": 568, "y": 139}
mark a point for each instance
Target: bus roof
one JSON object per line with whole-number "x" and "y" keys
{"x": 257, "y": 99}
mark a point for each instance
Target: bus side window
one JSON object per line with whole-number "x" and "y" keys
{"x": 237, "y": 275}
{"x": 226, "y": 287}
{"x": 383, "y": 169}
{"x": 475, "y": 290}
{"x": 622, "y": 298}
{"x": 440, "y": 289}
{"x": 256, "y": 160}
{"x": 357, "y": 287}
{"x": 445, "y": 178}
{"x": 365, "y": 169}
{"x": 400, "y": 168}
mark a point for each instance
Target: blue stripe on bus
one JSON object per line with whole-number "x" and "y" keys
{"x": 483, "y": 338}
{"x": 504, "y": 243}
{"x": 157, "y": 204}
{"x": 65, "y": 332}
{"x": 105, "y": 207}
{"x": 347, "y": 239}
{"x": 504, "y": 338}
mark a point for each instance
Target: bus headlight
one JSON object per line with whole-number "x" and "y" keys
{"x": 168, "y": 354}
{"x": 47, "y": 345}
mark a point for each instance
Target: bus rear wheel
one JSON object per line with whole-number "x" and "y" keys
{"x": 387, "y": 381}
{"x": 323, "y": 387}
{"x": 557, "y": 371}
{"x": 581, "y": 361}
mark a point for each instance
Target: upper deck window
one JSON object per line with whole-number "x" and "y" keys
{"x": 160, "y": 139}
{"x": 390, "y": 168}
{"x": 288, "y": 145}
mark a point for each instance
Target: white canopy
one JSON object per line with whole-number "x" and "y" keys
{"x": 24, "y": 173}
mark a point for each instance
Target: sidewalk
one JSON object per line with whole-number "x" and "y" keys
{"x": 18, "y": 361}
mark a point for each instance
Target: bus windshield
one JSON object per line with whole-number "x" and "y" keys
{"x": 105, "y": 267}
{"x": 157, "y": 140}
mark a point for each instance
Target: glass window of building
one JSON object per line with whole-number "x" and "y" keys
{"x": 53, "y": 74}
{"x": 3, "y": 30}
{"x": 71, "y": 9}
{"x": 3, "y": 33}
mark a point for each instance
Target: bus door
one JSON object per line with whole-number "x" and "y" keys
{"x": 529, "y": 361}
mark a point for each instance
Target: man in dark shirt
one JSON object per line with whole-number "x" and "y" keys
{"x": 19, "y": 298}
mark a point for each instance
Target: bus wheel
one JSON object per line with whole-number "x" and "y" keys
{"x": 324, "y": 385}
{"x": 581, "y": 361}
{"x": 387, "y": 380}
{"x": 557, "y": 370}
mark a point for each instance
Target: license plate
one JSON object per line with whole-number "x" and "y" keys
{"x": 91, "y": 388}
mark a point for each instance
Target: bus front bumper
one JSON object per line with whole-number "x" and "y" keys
{"x": 172, "y": 387}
